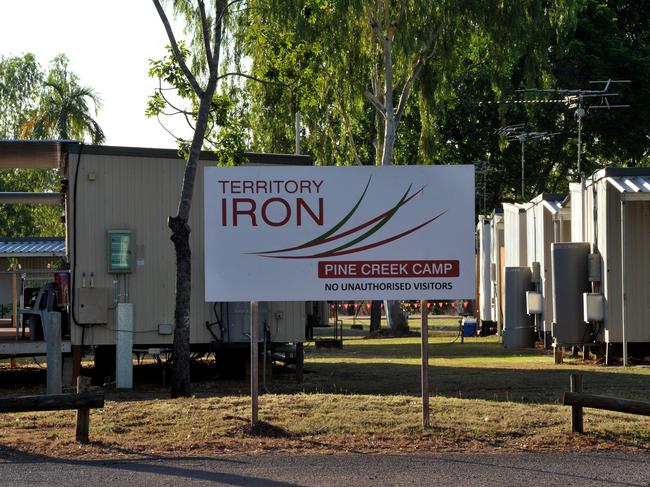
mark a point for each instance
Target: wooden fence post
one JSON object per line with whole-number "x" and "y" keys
{"x": 576, "y": 411}
{"x": 83, "y": 414}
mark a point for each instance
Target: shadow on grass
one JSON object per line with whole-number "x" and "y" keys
{"x": 495, "y": 384}
{"x": 449, "y": 348}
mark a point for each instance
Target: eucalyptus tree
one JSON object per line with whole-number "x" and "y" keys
{"x": 65, "y": 109}
{"x": 194, "y": 73}
{"x": 366, "y": 74}
{"x": 20, "y": 82}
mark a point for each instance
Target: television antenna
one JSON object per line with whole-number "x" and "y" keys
{"x": 581, "y": 101}
{"x": 517, "y": 133}
{"x": 481, "y": 168}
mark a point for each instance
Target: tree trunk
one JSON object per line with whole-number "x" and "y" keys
{"x": 396, "y": 318}
{"x": 180, "y": 380}
{"x": 375, "y": 316}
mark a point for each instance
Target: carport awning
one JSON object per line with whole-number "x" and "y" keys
{"x": 633, "y": 187}
{"x": 32, "y": 247}
{"x": 35, "y": 154}
{"x": 28, "y": 198}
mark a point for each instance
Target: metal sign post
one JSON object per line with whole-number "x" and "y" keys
{"x": 254, "y": 362}
{"x": 425, "y": 363}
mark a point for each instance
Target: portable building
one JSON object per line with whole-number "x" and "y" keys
{"x": 547, "y": 221}
{"x": 514, "y": 234}
{"x": 116, "y": 203}
{"x": 484, "y": 256}
{"x": 497, "y": 268}
{"x": 618, "y": 227}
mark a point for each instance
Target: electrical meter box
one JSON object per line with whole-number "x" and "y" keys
{"x": 92, "y": 305}
{"x": 534, "y": 303}
{"x": 120, "y": 251}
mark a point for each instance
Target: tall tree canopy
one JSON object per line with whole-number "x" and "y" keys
{"x": 357, "y": 69}
{"x": 21, "y": 79}
{"x": 40, "y": 106}
{"x": 65, "y": 109}
{"x": 329, "y": 57}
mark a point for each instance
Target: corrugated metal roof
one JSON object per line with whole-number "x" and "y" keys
{"x": 32, "y": 247}
{"x": 631, "y": 184}
{"x": 554, "y": 206}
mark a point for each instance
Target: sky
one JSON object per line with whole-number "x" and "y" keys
{"x": 109, "y": 44}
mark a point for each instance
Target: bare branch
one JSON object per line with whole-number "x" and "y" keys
{"x": 348, "y": 130}
{"x": 426, "y": 54}
{"x": 219, "y": 12}
{"x": 251, "y": 77}
{"x": 165, "y": 128}
{"x": 400, "y": 15}
{"x": 177, "y": 53}
{"x": 170, "y": 103}
{"x": 205, "y": 31}
{"x": 226, "y": 8}
{"x": 378, "y": 34}
{"x": 375, "y": 102}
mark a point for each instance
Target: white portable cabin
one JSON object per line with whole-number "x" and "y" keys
{"x": 617, "y": 224}
{"x": 497, "y": 268}
{"x": 514, "y": 234}
{"x": 483, "y": 237}
{"x": 547, "y": 221}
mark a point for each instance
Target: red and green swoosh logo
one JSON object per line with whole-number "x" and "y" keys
{"x": 356, "y": 243}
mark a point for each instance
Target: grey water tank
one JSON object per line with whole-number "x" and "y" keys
{"x": 518, "y": 329}
{"x": 570, "y": 281}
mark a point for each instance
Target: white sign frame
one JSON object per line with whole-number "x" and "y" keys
{"x": 288, "y": 233}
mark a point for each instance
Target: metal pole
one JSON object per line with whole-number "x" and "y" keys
{"x": 254, "y": 362}
{"x": 425, "y": 363}
{"x": 579, "y": 113}
{"x": 623, "y": 296}
{"x": 298, "y": 130}
{"x": 523, "y": 195}
{"x": 485, "y": 171}
{"x": 14, "y": 303}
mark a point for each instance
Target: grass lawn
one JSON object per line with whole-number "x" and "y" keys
{"x": 364, "y": 398}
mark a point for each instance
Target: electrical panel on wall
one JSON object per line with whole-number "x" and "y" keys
{"x": 120, "y": 251}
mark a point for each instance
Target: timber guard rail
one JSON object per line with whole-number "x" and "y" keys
{"x": 578, "y": 400}
{"x": 83, "y": 401}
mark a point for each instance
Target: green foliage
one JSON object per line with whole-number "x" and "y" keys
{"x": 33, "y": 105}
{"x": 28, "y": 220}
{"x": 63, "y": 111}
{"x": 226, "y": 134}
{"x": 326, "y": 56}
{"x": 20, "y": 80}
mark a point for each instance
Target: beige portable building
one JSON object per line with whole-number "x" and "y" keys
{"x": 618, "y": 227}
{"x": 115, "y": 202}
{"x": 547, "y": 221}
{"x": 133, "y": 191}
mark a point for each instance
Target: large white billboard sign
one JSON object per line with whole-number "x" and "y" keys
{"x": 287, "y": 233}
